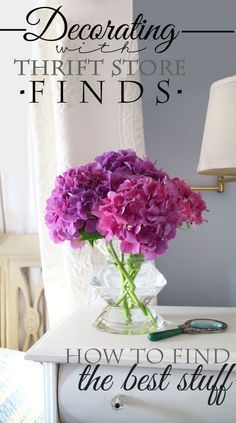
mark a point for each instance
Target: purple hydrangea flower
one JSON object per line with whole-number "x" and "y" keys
{"x": 70, "y": 205}
{"x": 121, "y": 195}
{"x": 125, "y": 164}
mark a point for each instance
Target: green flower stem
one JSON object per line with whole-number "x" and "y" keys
{"x": 125, "y": 283}
{"x": 130, "y": 279}
{"x": 126, "y": 308}
{"x": 124, "y": 299}
{"x": 125, "y": 286}
{"x": 131, "y": 293}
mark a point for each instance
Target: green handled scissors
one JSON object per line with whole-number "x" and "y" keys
{"x": 192, "y": 326}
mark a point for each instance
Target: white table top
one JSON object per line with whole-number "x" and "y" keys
{"x": 76, "y": 332}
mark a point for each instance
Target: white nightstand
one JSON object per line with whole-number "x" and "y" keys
{"x": 65, "y": 403}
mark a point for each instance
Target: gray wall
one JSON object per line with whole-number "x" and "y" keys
{"x": 200, "y": 266}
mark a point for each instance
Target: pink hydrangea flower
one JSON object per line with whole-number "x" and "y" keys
{"x": 144, "y": 214}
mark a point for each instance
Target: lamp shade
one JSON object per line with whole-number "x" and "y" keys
{"x": 218, "y": 153}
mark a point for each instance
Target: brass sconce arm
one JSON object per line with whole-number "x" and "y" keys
{"x": 220, "y": 187}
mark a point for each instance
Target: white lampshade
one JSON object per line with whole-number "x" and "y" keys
{"x": 218, "y": 153}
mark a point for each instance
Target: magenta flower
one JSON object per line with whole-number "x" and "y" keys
{"x": 121, "y": 195}
{"x": 125, "y": 164}
{"x": 144, "y": 214}
{"x": 75, "y": 194}
{"x": 192, "y": 202}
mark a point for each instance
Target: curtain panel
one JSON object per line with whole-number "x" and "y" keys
{"x": 65, "y": 135}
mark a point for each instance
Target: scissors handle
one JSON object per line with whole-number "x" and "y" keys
{"x": 157, "y": 336}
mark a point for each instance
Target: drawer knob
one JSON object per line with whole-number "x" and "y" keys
{"x": 118, "y": 402}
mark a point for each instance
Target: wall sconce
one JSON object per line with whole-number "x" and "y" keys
{"x": 218, "y": 152}
{"x": 219, "y": 187}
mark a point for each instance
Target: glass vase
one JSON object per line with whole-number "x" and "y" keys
{"x": 128, "y": 284}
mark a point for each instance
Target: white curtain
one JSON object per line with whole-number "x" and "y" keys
{"x": 66, "y": 135}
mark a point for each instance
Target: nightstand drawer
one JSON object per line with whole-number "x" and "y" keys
{"x": 139, "y": 406}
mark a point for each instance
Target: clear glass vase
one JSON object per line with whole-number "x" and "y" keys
{"x": 128, "y": 284}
